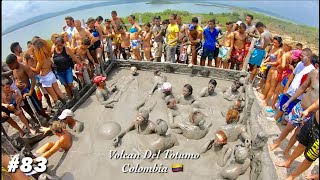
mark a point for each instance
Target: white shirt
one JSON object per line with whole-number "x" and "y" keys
{"x": 299, "y": 72}
{"x": 70, "y": 31}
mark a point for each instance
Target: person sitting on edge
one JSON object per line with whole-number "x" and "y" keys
{"x": 67, "y": 117}
{"x": 102, "y": 93}
{"x": 141, "y": 124}
{"x": 63, "y": 144}
{"x": 208, "y": 91}
{"x": 186, "y": 98}
{"x": 10, "y": 104}
{"x": 296, "y": 54}
{"x": 219, "y": 145}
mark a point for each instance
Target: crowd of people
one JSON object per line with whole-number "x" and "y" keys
{"x": 289, "y": 75}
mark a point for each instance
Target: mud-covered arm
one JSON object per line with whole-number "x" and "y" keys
{"x": 247, "y": 138}
{"x": 227, "y": 151}
{"x": 208, "y": 145}
{"x": 6, "y": 72}
{"x": 130, "y": 128}
{"x": 203, "y": 92}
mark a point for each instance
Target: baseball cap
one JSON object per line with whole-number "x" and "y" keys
{"x": 65, "y": 113}
{"x": 239, "y": 22}
{"x": 99, "y": 79}
{"x": 166, "y": 87}
{"x": 192, "y": 27}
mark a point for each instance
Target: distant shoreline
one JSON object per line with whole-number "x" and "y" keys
{"x": 101, "y": 4}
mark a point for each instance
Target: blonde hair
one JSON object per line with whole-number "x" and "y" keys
{"x": 53, "y": 37}
{"x": 42, "y": 49}
{"x": 64, "y": 33}
{"x": 57, "y": 127}
{"x": 288, "y": 43}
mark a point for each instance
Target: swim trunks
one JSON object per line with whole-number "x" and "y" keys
{"x": 7, "y": 112}
{"x": 135, "y": 44}
{"x": 95, "y": 45}
{"x": 295, "y": 114}
{"x": 283, "y": 98}
{"x": 223, "y": 53}
{"x": 309, "y": 137}
{"x": 257, "y": 56}
{"x": 238, "y": 55}
{"x": 283, "y": 73}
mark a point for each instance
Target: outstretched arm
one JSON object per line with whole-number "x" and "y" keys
{"x": 208, "y": 145}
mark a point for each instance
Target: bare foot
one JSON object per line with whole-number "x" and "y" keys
{"x": 312, "y": 176}
{"x": 286, "y": 154}
{"x": 285, "y": 164}
{"x": 274, "y": 146}
{"x": 265, "y": 103}
{"x": 22, "y": 134}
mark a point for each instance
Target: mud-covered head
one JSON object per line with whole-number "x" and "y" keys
{"x": 197, "y": 118}
{"x": 187, "y": 90}
{"x": 220, "y": 138}
{"x": 142, "y": 116}
{"x": 162, "y": 127}
{"x": 212, "y": 85}
{"x": 157, "y": 72}
{"x": 260, "y": 141}
{"x": 171, "y": 102}
{"x": 133, "y": 70}
{"x": 240, "y": 154}
{"x": 235, "y": 86}
{"x": 57, "y": 127}
{"x": 232, "y": 116}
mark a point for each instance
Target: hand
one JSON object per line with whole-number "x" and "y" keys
{"x": 3, "y": 115}
{"x": 285, "y": 106}
{"x": 45, "y": 130}
{"x": 6, "y": 105}
{"x": 27, "y": 94}
{"x": 304, "y": 114}
{"x": 116, "y": 142}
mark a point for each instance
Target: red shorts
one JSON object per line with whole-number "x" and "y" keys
{"x": 283, "y": 73}
{"x": 247, "y": 47}
{"x": 238, "y": 55}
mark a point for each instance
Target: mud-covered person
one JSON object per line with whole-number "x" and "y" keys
{"x": 209, "y": 90}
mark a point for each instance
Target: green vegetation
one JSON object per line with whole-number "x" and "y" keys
{"x": 301, "y": 33}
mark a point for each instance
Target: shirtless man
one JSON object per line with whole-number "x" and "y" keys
{"x": 141, "y": 124}
{"x": 117, "y": 21}
{"x": 219, "y": 145}
{"x": 108, "y": 34}
{"x": 251, "y": 31}
{"x": 311, "y": 86}
{"x": 226, "y": 47}
{"x": 11, "y": 103}
{"x": 80, "y": 34}
{"x": 193, "y": 128}
{"x": 208, "y": 91}
{"x": 238, "y": 53}
{"x": 158, "y": 34}
{"x": 125, "y": 43}
{"x": 232, "y": 92}
{"x": 64, "y": 143}
{"x": 259, "y": 52}
{"x": 16, "y": 50}
{"x": 183, "y": 30}
{"x": 67, "y": 117}
{"x": 195, "y": 37}
{"x": 22, "y": 74}
{"x": 84, "y": 55}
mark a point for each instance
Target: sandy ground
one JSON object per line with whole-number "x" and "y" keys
{"x": 89, "y": 155}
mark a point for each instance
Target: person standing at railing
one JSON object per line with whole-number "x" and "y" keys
{"x": 135, "y": 32}
{"x": 172, "y": 38}
{"x": 158, "y": 34}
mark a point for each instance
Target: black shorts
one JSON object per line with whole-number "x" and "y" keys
{"x": 8, "y": 112}
{"x": 35, "y": 101}
{"x": 95, "y": 45}
{"x": 215, "y": 53}
{"x": 305, "y": 134}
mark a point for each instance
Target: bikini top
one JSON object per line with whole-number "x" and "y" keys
{"x": 273, "y": 57}
{"x": 133, "y": 29}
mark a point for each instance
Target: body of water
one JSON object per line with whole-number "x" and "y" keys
{"x": 297, "y": 11}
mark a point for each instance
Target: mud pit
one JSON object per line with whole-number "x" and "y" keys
{"x": 89, "y": 156}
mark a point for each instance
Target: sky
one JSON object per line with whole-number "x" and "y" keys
{"x": 14, "y": 12}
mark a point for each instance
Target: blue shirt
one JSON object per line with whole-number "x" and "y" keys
{"x": 210, "y": 38}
